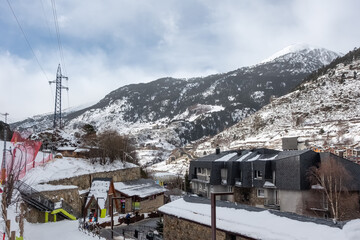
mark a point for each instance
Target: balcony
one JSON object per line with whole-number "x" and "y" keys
{"x": 320, "y": 206}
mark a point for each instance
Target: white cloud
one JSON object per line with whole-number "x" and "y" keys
{"x": 108, "y": 44}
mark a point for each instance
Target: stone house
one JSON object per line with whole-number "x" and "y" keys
{"x": 142, "y": 195}
{"x": 67, "y": 151}
{"x": 270, "y": 179}
{"x": 190, "y": 218}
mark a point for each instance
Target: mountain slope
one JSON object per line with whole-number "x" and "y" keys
{"x": 169, "y": 112}
{"x": 324, "y": 110}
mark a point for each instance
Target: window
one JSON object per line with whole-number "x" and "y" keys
{"x": 260, "y": 193}
{"x": 199, "y": 170}
{"x": 230, "y": 188}
{"x": 257, "y": 174}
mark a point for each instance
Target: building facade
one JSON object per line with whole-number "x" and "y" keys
{"x": 270, "y": 179}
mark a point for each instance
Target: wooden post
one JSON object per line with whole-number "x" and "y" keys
{"x": 12, "y": 235}
{"x": 112, "y": 216}
{"x": 213, "y": 212}
{"x": 7, "y": 230}
{"x": 21, "y": 222}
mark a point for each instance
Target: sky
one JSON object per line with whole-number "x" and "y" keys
{"x": 109, "y": 44}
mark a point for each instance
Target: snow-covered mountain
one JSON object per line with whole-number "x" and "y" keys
{"x": 169, "y": 113}
{"x": 323, "y": 111}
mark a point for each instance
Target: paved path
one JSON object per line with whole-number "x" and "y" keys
{"x": 142, "y": 226}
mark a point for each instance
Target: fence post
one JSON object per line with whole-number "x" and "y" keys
{"x": 12, "y": 235}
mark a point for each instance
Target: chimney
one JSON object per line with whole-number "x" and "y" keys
{"x": 341, "y": 153}
{"x": 217, "y": 149}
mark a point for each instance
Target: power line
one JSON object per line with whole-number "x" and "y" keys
{"x": 57, "y": 29}
{"x": 27, "y": 41}
{"x": 46, "y": 17}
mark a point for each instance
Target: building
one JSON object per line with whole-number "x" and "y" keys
{"x": 270, "y": 179}
{"x": 190, "y": 218}
{"x": 142, "y": 195}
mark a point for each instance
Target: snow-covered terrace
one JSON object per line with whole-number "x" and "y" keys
{"x": 67, "y": 167}
{"x": 260, "y": 223}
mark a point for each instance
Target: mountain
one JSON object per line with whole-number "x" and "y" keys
{"x": 169, "y": 112}
{"x": 323, "y": 111}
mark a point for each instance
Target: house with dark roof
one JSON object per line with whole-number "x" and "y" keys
{"x": 269, "y": 179}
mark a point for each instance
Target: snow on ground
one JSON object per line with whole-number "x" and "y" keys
{"x": 56, "y": 231}
{"x": 67, "y": 167}
{"x": 260, "y": 225}
{"x": 178, "y": 167}
{"x": 40, "y": 231}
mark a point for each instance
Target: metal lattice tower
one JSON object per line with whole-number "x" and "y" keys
{"x": 59, "y": 87}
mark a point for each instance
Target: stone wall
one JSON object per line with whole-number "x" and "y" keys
{"x": 84, "y": 181}
{"x": 248, "y": 196}
{"x": 176, "y": 228}
{"x": 71, "y": 196}
{"x": 150, "y": 205}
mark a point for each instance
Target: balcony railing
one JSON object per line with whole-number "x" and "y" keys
{"x": 316, "y": 205}
{"x": 272, "y": 203}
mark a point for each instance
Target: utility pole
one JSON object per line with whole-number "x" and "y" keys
{"x": 59, "y": 87}
{"x": 3, "y": 165}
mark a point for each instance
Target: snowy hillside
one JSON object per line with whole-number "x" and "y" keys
{"x": 323, "y": 111}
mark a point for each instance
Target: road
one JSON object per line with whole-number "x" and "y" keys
{"x": 143, "y": 227}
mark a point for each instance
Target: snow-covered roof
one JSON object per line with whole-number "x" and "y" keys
{"x": 226, "y": 157}
{"x": 99, "y": 190}
{"x": 66, "y": 148}
{"x": 82, "y": 150}
{"x": 142, "y": 188}
{"x": 49, "y": 187}
{"x": 259, "y": 223}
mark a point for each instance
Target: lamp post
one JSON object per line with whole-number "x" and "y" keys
{"x": 213, "y": 211}
{"x": 112, "y": 212}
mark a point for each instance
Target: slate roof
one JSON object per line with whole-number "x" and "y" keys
{"x": 290, "y": 167}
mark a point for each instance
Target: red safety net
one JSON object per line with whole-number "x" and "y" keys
{"x": 24, "y": 156}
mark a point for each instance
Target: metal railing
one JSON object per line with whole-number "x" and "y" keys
{"x": 39, "y": 201}
{"x": 34, "y": 197}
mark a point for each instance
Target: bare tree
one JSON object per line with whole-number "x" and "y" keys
{"x": 334, "y": 180}
{"x": 112, "y": 146}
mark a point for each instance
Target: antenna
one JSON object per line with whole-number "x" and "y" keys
{"x": 59, "y": 87}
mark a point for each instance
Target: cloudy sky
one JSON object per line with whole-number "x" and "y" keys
{"x": 109, "y": 44}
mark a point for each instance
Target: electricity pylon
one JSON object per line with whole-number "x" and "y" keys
{"x": 59, "y": 87}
